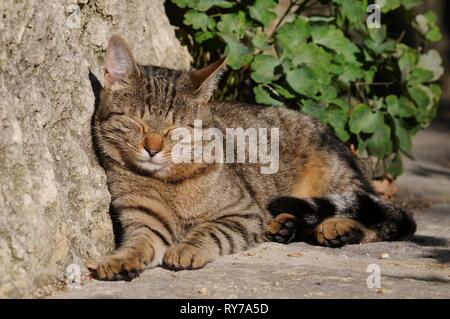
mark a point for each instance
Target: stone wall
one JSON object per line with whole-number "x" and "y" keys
{"x": 53, "y": 197}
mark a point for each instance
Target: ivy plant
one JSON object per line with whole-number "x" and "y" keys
{"x": 375, "y": 87}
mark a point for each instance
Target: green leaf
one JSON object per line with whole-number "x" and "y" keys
{"x": 282, "y": 91}
{"x": 328, "y": 93}
{"x": 199, "y": 20}
{"x": 353, "y": 11}
{"x": 419, "y": 75}
{"x": 237, "y": 53}
{"x": 392, "y": 104}
{"x": 407, "y": 59}
{"x": 388, "y": 5}
{"x": 185, "y": 3}
{"x": 343, "y": 105}
{"x": 292, "y": 34}
{"x": 436, "y": 90}
{"x": 263, "y": 69}
{"x": 421, "y": 95}
{"x": 379, "y": 48}
{"x": 350, "y": 72}
{"x": 363, "y": 119}
{"x": 314, "y": 109}
{"x": 233, "y": 24}
{"x": 426, "y": 25}
{"x": 201, "y": 36}
{"x": 332, "y": 38}
{"x": 310, "y": 54}
{"x": 261, "y": 41}
{"x": 303, "y": 81}
{"x": 338, "y": 120}
{"x": 322, "y": 75}
{"x": 380, "y": 144}
{"x": 431, "y": 61}
{"x": 395, "y": 167}
{"x": 401, "y": 132}
{"x": 205, "y": 5}
{"x": 403, "y": 107}
{"x": 263, "y": 11}
{"x": 424, "y": 98}
{"x": 263, "y": 97}
{"x": 369, "y": 75}
{"x": 378, "y": 35}
{"x": 362, "y": 143}
{"x": 409, "y": 4}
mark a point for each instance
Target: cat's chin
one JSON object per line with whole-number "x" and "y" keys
{"x": 151, "y": 168}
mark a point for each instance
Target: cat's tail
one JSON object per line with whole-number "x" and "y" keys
{"x": 389, "y": 221}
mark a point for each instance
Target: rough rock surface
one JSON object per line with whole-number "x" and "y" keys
{"x": 416, "y": 269}
{"x": 53, "y": 198}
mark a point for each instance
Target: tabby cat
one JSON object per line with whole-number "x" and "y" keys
{"x": 184, "y": 215}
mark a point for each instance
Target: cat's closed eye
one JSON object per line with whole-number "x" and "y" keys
{"x": 128, "y": 123}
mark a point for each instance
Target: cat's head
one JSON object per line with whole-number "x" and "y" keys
{"x": 141, "y": 106}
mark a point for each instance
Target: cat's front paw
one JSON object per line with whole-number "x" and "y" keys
{"x": 119, "y": 266}
{"x": 185, "y": 256}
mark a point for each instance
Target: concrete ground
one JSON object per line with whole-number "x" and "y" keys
{"x": 416, "y": 269}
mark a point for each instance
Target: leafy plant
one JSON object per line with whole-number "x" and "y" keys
{"x": 374, "y": 87}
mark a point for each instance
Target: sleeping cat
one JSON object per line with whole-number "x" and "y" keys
{"x": 184, "y": 215}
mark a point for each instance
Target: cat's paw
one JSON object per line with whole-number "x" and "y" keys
{"x": 119, "y": 266}
{"x": 339, "y": 231}
{"x": 185, "y": 256}
{"x": 282, "y": 228}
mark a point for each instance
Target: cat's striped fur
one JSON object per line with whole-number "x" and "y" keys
{"x": 185, "y": 215}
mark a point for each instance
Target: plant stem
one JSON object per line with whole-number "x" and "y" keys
{"x": 400, "y": 38}
{"x": 361, "y": 94}
{"x": 280, "y": 21}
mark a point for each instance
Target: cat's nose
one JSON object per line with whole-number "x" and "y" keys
{"x": 152, "y": 152}
{"x": 153, "y": 144}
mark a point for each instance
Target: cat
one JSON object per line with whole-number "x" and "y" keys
{"x": 184, "y": 215}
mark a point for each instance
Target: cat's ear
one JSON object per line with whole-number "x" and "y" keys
{"x": 120, "y": 65}
{"x": 205, "y": 80}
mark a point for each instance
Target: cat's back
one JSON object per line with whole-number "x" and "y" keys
{"x": 292, "y": 125}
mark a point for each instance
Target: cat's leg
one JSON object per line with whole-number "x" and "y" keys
{"x": 146, "y": 236}
{"x": 228, "y": 234}
{"x": 337, "y": 220}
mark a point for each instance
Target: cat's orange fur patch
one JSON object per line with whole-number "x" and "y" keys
{"x": 312, "y": 178}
